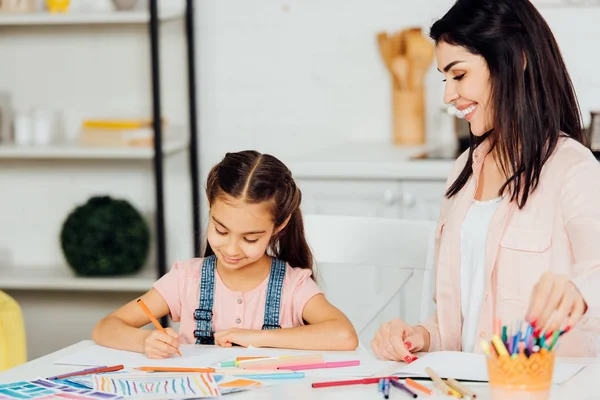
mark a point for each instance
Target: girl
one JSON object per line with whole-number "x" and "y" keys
{"x": 520, "y": 225}
{"x": 254, "y": 285}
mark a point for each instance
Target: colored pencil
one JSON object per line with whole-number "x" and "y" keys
{"x": 250, "y": 358}
{"x": 175, "y": 369}
{"x": 88, "y": 371}
{"x": 365, "y": 381}
{"x": 157, "y": 324}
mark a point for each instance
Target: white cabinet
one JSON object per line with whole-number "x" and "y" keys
{"x": 387, "y": 198}
{"x": 351, "y": 197}
{"x": 422, "y": 199}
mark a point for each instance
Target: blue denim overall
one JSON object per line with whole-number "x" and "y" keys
{"x": 203, "y": 314}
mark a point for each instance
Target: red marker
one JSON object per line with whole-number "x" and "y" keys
{"x": 365, "y": 381}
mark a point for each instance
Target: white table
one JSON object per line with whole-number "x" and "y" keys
{"x": 583, "y": 386}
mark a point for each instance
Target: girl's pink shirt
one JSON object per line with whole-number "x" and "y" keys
{"x": 558, "y": 230}
{"x": 180, "y": 288}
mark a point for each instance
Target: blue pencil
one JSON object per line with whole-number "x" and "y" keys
{"x": 291, "y": 375}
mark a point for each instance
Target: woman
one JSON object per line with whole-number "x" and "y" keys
{"x": 519, "y": 231}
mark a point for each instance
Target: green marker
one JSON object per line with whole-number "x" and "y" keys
{"x": 226, "y": 364}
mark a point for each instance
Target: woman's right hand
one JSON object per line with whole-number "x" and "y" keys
{"x": 396, "y": 340}
{"x": 161, "y": 345}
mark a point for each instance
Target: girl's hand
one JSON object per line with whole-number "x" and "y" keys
{"x": 395, "y": 340}
{"x": 555, "y": 300}
{"x": 161, "y": 345}
{"x": 242, "y": 337}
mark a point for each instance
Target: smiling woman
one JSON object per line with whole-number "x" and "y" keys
{"x": 519, "y": 227}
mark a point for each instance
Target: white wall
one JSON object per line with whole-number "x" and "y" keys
{"x": 289, "y": 75}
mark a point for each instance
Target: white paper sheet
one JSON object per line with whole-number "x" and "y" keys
{"x": 209, "y": 356}
{"x": 470, "y": 366}
{"x": 192, "y": 357}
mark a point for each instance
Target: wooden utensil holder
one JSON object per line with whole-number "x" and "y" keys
{"x": 408, "y": 116}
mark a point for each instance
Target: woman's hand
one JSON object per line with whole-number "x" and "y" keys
{"x": 161, "y": 345}
{"x": 242, "y": 337}
{"x": 395, "y": 340}
{"x": 555, "y": 301}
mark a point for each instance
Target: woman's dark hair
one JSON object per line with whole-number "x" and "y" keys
{"x": 255, "y": 178}
{"x": 532, "y": 96}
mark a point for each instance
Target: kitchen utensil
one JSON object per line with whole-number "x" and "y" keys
{"x": 400, "y": 69}
{"x": 420, "y": 53}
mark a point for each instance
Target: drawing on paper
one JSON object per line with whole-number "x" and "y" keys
{"x": 158, "y": 385}
{"x": 45, "y": 389}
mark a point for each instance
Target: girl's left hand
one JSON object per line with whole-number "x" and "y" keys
{"x": 242, "y": 337}
{"x": 554, "y": 300}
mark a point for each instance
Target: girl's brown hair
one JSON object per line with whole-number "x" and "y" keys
{"x": 255, "y": 178}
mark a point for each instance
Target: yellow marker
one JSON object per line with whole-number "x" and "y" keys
{"x": 453, "y": 392}
{"x": 485, "y": 346}
{"x": 499, "y": 346}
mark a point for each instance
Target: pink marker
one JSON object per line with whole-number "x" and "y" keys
{"x": 335, "y": 364}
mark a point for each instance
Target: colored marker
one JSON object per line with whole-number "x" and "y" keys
{"x": 462, "y": 389}
{"x": 291, "y": 375}
{"x": 335, "y": 364}
{"x": 499, "y": 346}
{"x": 402, "y": 387}
{"x": 386, "y": 388}
{"x": 554, "y": 339}
{"x": 365, "y": 381}
{"x": 226, "y": 364}
{"x": 418, "y": 386}
{"x": 485, "y": 347}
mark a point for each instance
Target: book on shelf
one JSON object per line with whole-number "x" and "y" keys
{"x": 119, "y": 133}
{"x": 118, "y": 124}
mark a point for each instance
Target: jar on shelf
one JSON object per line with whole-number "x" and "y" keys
{"x": 17, "y": 6}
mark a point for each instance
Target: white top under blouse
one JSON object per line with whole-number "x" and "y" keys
{"x": 473, "y": 236}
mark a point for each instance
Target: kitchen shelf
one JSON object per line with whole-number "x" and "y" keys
{"x": 85, "y": 18}
{"x": 63, "y": 279}
{"x": 79, "y": 152}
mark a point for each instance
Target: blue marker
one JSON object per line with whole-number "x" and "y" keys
{"x": 381, "y": 386}
{"x": 386, "y": 389}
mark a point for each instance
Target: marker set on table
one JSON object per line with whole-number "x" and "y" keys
{"x": 526, "y": 340}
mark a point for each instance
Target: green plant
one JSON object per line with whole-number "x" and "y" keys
{"x": 105, "y": 237}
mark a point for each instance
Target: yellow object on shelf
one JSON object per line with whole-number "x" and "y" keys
{"x": 58, "y": 6}
{"x": 117, "y": 123}
{"x": 13, "y": 345}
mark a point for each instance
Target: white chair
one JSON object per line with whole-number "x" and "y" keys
{"x": 374, "y": 269}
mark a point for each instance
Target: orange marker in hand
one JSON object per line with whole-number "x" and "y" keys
{"x": 153, "y": 318}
